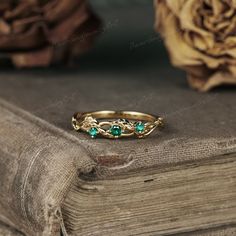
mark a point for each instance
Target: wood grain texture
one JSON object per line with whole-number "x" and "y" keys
{"x": 181, "y": 199}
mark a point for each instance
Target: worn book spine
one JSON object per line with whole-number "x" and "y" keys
{"x": 37, "y": 164}
{"x": 5, "y": 230}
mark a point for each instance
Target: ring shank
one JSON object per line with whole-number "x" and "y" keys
{"x": 132, "y": 115}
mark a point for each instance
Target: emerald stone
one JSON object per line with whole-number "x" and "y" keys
{"x": 116, "y": 130}
{"x": 139, "y": 127}
{"x": 93, "y": 132}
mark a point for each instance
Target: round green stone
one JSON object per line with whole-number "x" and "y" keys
{"x": 116, "y": 130}
{"x": 139, "y": 127}
{"x": 93, "y": 132}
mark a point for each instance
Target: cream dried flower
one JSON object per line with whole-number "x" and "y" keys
{"x": 200, "y": 36}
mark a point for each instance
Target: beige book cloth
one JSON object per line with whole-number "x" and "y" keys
{"x": 41, "y": 154}
{"x": 8, "y": 231}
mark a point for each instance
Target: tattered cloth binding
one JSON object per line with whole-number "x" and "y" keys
{"x": 54, "y": 181}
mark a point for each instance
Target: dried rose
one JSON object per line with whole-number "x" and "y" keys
{"x": 43, "y": 32}
{"x": 200, "y": 36}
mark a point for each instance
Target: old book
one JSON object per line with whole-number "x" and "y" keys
{"x": 179, "y": 181}
{"x": 5, "y": 230}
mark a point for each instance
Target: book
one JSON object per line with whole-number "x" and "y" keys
{"x": 5, "y": 230}
{"x": 180, "y": 180}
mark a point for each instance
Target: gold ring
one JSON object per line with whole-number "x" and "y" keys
{"x": 116, "y": 124}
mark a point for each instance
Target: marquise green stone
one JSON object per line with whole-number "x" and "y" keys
{"x": 139, "y": 127}
{"x": 116, "y": 130}
{"x": 93, "y": 132}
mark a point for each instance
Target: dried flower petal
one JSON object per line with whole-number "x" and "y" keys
{"x": 43, "y": 32}
{"x": 200, "y": 36}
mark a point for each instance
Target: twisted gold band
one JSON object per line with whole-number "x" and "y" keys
{"x": 123, "y": 123}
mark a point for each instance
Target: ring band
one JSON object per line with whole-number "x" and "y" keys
{"x": 123, "y": 123}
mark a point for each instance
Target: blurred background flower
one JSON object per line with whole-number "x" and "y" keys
{"x": 200, "y": 36}
{"x": 43, "y": 32}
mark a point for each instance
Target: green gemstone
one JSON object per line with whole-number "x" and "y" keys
{"x": 116, "y": 130}
{"x": 93, "y": 132}
{"x": 139, "y": 127}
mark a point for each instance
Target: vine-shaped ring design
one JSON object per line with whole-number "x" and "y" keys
{"x": 116, "y": 124}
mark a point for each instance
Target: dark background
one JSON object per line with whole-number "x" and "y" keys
{"x": 127, "y": 40}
